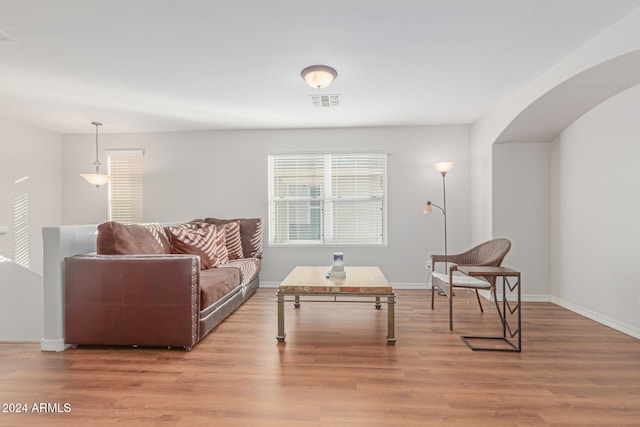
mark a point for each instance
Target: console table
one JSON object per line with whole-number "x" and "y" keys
{"x": 510, "y": 310}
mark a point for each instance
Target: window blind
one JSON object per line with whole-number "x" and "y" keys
{"x": 126, "y": 185}
{"x": 327, "y": 199}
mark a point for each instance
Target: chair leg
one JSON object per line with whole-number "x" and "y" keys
{"x": 479, "y": 302}
{"x": 433, "y": 293}
{"x": 450, "y": 308}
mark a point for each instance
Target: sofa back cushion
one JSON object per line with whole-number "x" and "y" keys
{"x": 250, "y": 234}
{"x": 115, "y": 238}
{"x": 202, "y": 239}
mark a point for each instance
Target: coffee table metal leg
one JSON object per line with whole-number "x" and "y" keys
{"x": 281, "y": 334}
{"x": 378, "y": 305}
{"x": 391, "y": 320}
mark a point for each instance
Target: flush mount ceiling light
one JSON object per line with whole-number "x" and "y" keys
{"x": 97, "y": 178}
{"x": 319, "y": 76}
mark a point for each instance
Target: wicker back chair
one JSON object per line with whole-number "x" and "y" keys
{"x": 490, "y": 253}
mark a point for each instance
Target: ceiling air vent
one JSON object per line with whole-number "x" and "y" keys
{"x": 4, "y": 37}
{"x": 325, "y": 100}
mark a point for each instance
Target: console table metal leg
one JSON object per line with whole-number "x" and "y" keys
{"x": 519, "y": 315}
{"x": 391, "y": 320}
{"x": 504, "y": 307}
{"x": 508, "y": 309}
{"x": 281, "y": 334}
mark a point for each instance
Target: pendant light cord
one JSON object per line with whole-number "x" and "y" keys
{"x": 97, "y": 163}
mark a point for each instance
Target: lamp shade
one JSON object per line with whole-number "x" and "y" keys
{"x": 319, "y": 76}
{"x": 443, "y": 167}
{"x": 96, "y": 179}
{"x": 427, "y": 208}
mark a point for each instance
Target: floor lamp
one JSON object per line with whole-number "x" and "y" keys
{"x": 443, "y": 168}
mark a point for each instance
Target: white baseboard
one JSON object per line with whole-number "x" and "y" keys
{"x": 53, "y": 345}
{"x": 523, "y": 298}
{"x": 607, "y": 321}
{"x": 412, "y": 286}
{"x": 269, "y": 285}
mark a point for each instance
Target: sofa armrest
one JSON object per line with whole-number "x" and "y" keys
{"x": 146, "y": 300}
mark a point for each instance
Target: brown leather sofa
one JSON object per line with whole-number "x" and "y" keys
{"x": 157, "y": 299}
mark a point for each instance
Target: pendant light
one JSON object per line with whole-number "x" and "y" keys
{"x": 97, "y": 178}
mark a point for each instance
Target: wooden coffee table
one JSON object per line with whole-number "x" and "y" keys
{"x": 360, "y": 282}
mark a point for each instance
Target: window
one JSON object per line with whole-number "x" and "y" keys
{"x": 305, "y": 220}
{"x": 328, "y": 199}
{"x": 125, "y": 186}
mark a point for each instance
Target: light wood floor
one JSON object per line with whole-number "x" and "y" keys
{"x": 336, "y": 369}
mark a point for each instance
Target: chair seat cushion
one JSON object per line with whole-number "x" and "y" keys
{"x": 462, "y": 280}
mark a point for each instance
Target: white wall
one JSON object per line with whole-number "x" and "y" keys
{"x": 29, "y": 152}
{"x": 21, "y": 303}
{"x": 481, "y": 167}
{"x": 521, "y": 197}
{"x": 224, "y": 174}
{"x": 618, "y": 40}
{"x": 595, "y": 203}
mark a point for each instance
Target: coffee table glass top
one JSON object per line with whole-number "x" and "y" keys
{"x": 357, "y": 280}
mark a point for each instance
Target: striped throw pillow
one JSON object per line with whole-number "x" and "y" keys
{"x": 204, "y": 240}
{"x": 115, "y": 238}
{"x": 233, "y": 241}
{"x": 250, "y": 234}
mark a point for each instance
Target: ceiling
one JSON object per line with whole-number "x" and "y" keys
{"x": 161, "y": 66}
